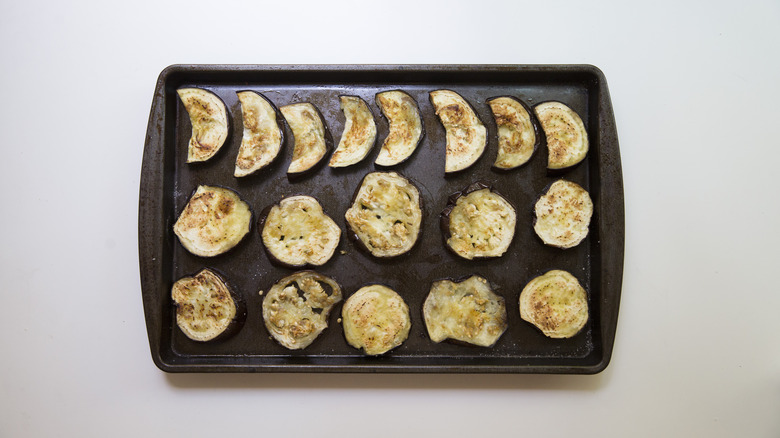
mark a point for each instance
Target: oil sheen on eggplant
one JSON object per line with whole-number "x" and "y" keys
{"x": 206, "y": 307}
{"x": 466, "y": 135}
{"x": 567, "y": 139}
{"x": 310, "y": 135}
{"x": 375, "y": 319}
{"x": 406, "y": 128}
{"x": 359, "y": 133}
{"x": 518, "y": 134}
{"x": 555, "y": 303}
{"x": 209, "y": 120}
{"x": 262, "y": 136}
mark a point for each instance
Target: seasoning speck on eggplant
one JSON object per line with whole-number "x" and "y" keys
{"x": 359, "y": 133}
{"x": 406, "y": 127}
{"x": 205, "y": 306}
{"x": 209, "y": 120}
{"x": 214, "y": 220}
{"x": 467, "y": 311}
{"x": 563, "y": 214}
{"x": 567, "y": 140}
{"x": 465, "y": 133}
{"x": 310, "y": 136}
{"x": 376, "y": 319}
{"x": 518, "y": 135}
{"x": 262, "y": 137}
{"x": 297, "y": 232}
{"x": 296, "y": 309}
{"x": 555, "y": 303}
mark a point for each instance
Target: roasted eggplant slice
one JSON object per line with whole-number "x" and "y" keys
{"x": 214, "y": 220}
{"x": 209, "y": 119}
{"x": 359, "y": 133}
{"x": 296, "y": 308}
{"x": 296, "y": 232}
{"x": 555, "y": 303}
{"x": 262, "y": 139}
{"x": 478, "y": 222}
{"x": 466, "y": 134}
{"x": 311, "y": 142}
{"x": 386, "y": 214}
{"x": 467, "y": 311}
{"x": 563, "y": 214}
{"x": 206, "y": 307}
{"x": 376, "y": 319}
{"x": 567, "y": 140}
{"x": 406, "y": 127}
{"x": 518, "y": 135}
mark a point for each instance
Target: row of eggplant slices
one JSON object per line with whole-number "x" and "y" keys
{"x": 466, "y": 136}
{"x": 375, "y": 318}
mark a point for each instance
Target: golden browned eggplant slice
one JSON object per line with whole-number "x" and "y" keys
{"x": 467, "y": 311}
{"x": 563, "y": 214}
{"x": 518, "y": 135}
{"x": 376, "y": 319}
{"x": 406, "y": 127}
{"x": 206, "y": 307}
{"x": 214, "y": 220}
{"x": 567, "y": 140}
{"x": 297, "y": 232}
{"x": 262, "y": 138}
{"x": 296, "y": 308}
{"x": 466, "y": 134}
{"x": 209, "y": 119}
{"x": 386, "y": 214}
{"x": 359, "y": 133}
{"x": 555, "y": 303}
{"x": 310, "y": 135}
{"x": 478, "y": 222}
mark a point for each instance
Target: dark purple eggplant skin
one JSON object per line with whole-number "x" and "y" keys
{"x": 281, "y": 122}
{"x": 444, "y": 217}
{"x": 353, "y": 236}
{"x": 297, "y": 176}
{"x": 422, "y": 127}
{"x": 541, "y": 138}
{"x": 563, "y": 170}
{"x": 228, "y": 138}
{"x": 235, "y": 325}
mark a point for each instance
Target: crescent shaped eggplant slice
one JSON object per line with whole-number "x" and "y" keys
{"x": 297, "y": 232}
{"x": 206, "y": 307}
{"x": 262, "y": 137}
{"x": 567, "y": 140}
{"x": 359, "y": 133}
{"x": 518, "y": 135}
{"x": 478, "y": 222}
{"x": 375, "y": 319}
{"x": 563, "y": 214}
{"x": 386, "y": 214}
{"x": 209, "y": 119}
{"x": 296, "y": 309}
{"x": 214, "y": 220}
{"x": 555, "y": 303}
{"x": 310, "y": 134}
{"x": 406, "y": 127}
{"x": 467, "y": 311}
{"x": 465, "y": 132}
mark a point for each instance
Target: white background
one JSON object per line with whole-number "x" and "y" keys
{"x": 695, "y": 92}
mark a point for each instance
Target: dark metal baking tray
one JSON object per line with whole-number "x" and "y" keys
{"x": 167, "y": 182}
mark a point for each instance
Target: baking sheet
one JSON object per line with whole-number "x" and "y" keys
{"x": 167, "y": 183}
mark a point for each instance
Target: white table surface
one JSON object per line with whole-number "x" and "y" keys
{"x": 695, "y": 92}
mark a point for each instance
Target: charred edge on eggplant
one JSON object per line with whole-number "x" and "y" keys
{"x": 209, "y": 120}
{"x": 406, "y": 128}
{"x": 466, "y": 134}
{"x": 515, "y": 151}
{"x": 302, "y": 118}
{"x": 211, "y": 315}
{"x": 359, "y": 134}
{"x": 562, "y": 214}
{"x": 375, "y": 319}
{"x": 256, "y": 139}
{"x": 555, "y": 303}
{"x": 565, "y": 134}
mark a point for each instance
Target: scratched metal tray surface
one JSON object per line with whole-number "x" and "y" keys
{"x": 167, "y": 181}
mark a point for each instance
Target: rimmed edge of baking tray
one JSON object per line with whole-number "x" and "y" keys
{"x": 153, "y": 249}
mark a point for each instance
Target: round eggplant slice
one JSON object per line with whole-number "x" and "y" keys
{"x": 296, "y": 308}
{"x": 567, "y": 140}
{"x": 376, "y": 319}
{"x": 262, "y": 138}
{"x": 311, "y": 144}
{"x": 206, "y": 307}
{"x": 555, "y": 303}
{"x": 214, "y": 220}
{"x": 297, "y": 232}
{"x": 478, "y": 222}
{"x": 209, "y": 119}
{"x": 518, "y": 135}
{"x": 466, "y": 134}
{"x": 386, "y": 214}
{"x": 406, "y": 127}
{"x": 563, "y": 214}
{"x": 359, "y": 133}
{"x": 467, "y": 311}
